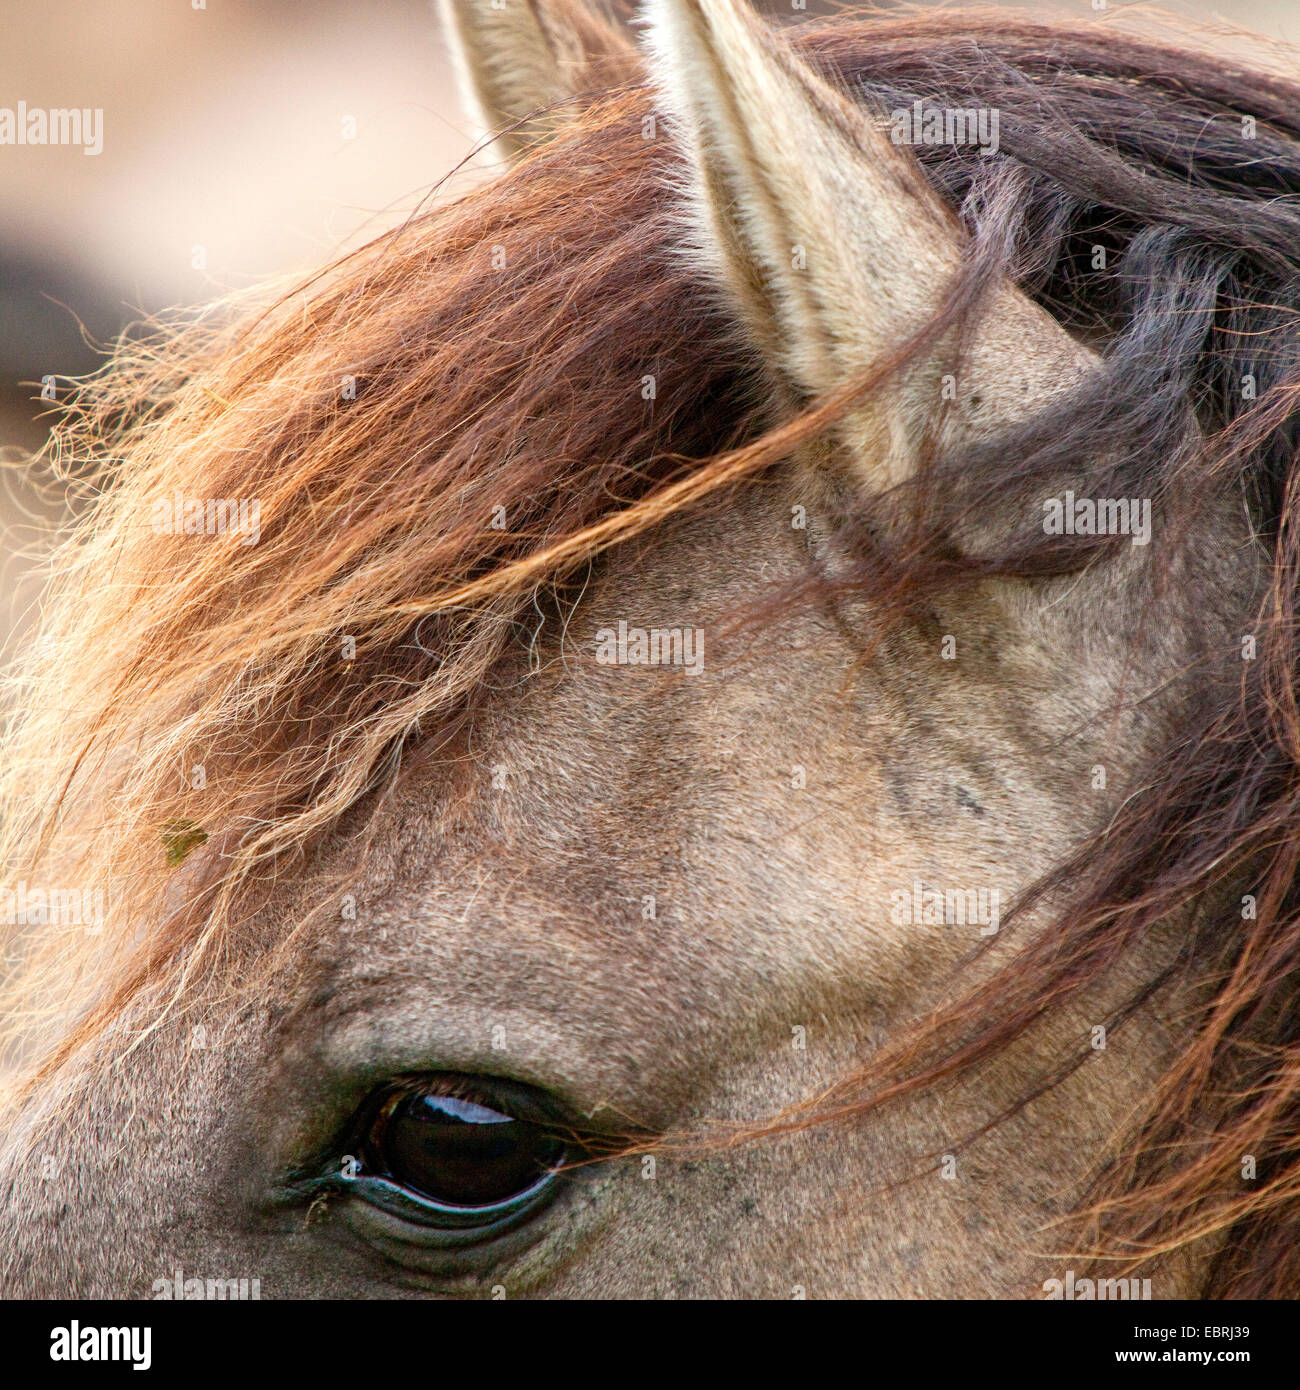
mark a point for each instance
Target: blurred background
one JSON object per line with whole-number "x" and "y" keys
{"x": 241, "y": 139}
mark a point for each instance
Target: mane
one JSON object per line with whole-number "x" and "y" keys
{"x": 455, "y": 417}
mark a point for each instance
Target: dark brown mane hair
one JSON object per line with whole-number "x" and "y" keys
{"x": 490, "y": 355}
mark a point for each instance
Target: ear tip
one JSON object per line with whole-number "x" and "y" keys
{"x": 675, "y": 25}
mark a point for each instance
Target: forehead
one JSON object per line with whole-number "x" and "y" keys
{"x": 623, "y": 870}
{"x": 627, "y": 881}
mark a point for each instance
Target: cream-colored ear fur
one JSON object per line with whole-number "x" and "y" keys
{"x": 829, "y": 241}
{"x": 518, "y": 59}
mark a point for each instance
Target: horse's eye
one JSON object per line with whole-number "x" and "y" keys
{"x": 461, "y": 1153}
{"x": 456, "y": 1160}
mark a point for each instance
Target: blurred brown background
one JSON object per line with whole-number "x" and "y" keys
{"x": 268, "y": 133}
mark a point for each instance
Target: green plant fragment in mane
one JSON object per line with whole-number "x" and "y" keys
{"x": 179, "y": 836}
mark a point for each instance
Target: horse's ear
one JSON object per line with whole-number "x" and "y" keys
{"x": 519, "y": 59}
{"x": 828, "y": 238}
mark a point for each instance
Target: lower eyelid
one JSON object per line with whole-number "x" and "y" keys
{"x": 461, "y": 1264}
{"x": 409, "y": 1219}
{"x": 451, "y": 1225}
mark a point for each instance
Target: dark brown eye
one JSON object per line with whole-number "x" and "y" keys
{"x": 459, "y": 1152}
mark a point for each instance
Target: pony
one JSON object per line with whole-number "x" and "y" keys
{"x": 713, "y": 717}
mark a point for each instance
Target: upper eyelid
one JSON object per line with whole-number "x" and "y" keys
{"x": 336, "y": 1052}
{"x": 341, "y": 1087}
{"x": 520, "y": 1100}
